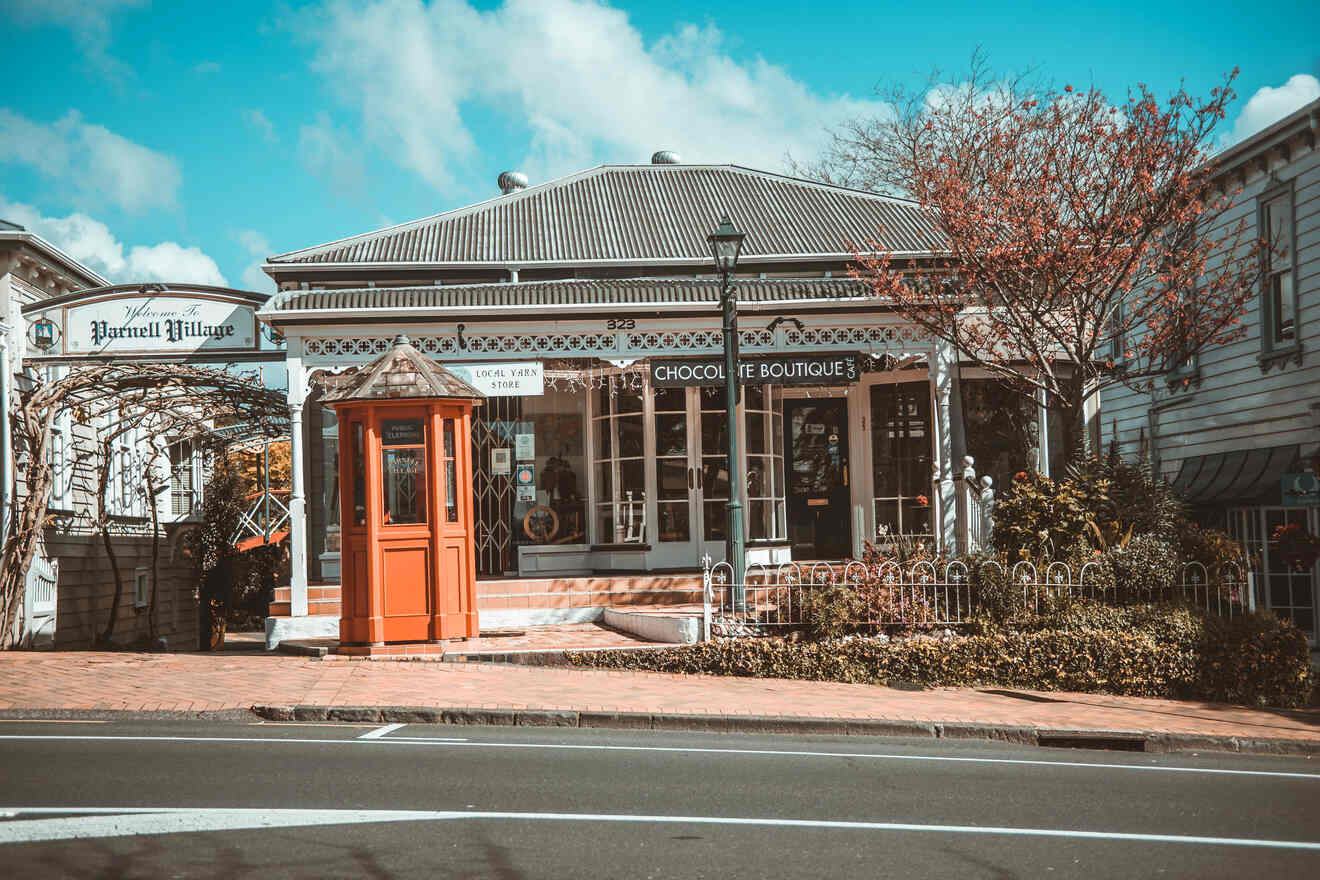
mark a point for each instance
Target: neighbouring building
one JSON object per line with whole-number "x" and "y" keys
{"x": 1237, "y": 428}
{"x": 51, "y": 304}
{"x": 587, "y": 309}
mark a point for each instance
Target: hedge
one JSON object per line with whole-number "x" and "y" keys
{"x": 1165, "y": 652}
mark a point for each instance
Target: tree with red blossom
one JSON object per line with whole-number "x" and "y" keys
{"x": 1085, "y": 242}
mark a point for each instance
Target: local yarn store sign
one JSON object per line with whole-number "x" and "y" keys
{"x": 162, "y": 324}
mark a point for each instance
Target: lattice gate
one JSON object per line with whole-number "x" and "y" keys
{"x": 493, "y": 426}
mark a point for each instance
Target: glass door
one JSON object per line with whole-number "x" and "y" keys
{"x": 712, "y": 421}
{"x": 816, "y": 469}
{"x": 677, "y": 512}
{"x": 691, "y": 476}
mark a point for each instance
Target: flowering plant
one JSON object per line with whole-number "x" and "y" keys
{"x": 922, "y": 501}
{"x": 1298, "y": 547}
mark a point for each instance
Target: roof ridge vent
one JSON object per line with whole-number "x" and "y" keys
{"x": 665, "y": 157}
{"x": 512, "y": 181}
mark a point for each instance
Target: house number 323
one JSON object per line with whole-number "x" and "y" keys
{"x": 621, "y": 324}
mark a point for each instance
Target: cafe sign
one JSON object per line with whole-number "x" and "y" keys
{"x": 838, "y": 369}
{"x": 1301, "y": 489}
{"x": 135, "y": 323}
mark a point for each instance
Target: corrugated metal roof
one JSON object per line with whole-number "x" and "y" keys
{"x": 573, "y": 292}
{"x": 643, "y": 212}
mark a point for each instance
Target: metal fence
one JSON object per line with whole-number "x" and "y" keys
{"x": 775, "y": 599}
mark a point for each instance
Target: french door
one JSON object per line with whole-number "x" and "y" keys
{"x": 691, "y": 473}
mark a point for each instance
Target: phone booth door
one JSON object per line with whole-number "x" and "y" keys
{"x": 404, "y": 507}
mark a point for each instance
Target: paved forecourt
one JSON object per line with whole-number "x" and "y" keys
{"x": 196, "y": 683}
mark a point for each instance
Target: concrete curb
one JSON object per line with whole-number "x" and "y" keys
{"x": 1124, "y": 740}
{"x": 124, "y": 715}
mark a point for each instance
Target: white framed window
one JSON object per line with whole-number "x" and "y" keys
{"x": 182, "y": 499}
{"x": 763, "y": 415}
{"x": 1278, "y": 301}
{"x": 59, "y": 463}
{"x": 620, "y": 463}
{"x": 125, "y": 479}
{"x": 141, "y": 588}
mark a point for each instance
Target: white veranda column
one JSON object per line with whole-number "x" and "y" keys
{"x": 943, "y": 362}
{"x": 297, "y": 498}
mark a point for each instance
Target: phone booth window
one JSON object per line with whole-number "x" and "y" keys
{"x": 403, "y": 470}
{"x": 451, "y": 474}
{"x": 359, "y": 475}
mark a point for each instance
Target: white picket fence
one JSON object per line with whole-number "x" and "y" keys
{"x": 927, "y": 594}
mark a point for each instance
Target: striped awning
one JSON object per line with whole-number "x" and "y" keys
{"x": 1242, "y": 476}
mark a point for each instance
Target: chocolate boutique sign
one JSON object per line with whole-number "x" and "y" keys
{"x": 840, "y": 369}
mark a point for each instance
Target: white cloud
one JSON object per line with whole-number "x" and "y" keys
{"x": 1269, "y": 105}
{"x": 102, "y": 166}
{"x": 89, "y": 20}
{"x": 577, "y": 72}
{"x": 333, "y": 155}
{"x": 89, "y": 241}
{"x": 256, "y": 118}
{"x": 258, "y": 249}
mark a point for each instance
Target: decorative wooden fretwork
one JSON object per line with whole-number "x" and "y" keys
{"x": 624, "y": 345}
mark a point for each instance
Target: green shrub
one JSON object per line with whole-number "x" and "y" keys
{"x": 1039, "y": 516}
{"x": 832, "y": 611}
{"x": 1256, "y": 659}
{"x": 1144, "y": 565}
{"x": 1125, "y": 498}
{"x": 993, "y": 592}
{"x": 1211, "y": 548}
{"x": 1155, "y": 651}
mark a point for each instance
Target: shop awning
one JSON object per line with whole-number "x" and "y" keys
{"x": 1242, "y": 476}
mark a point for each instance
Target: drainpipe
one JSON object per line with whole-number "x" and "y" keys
{"x": 6, "y": 437}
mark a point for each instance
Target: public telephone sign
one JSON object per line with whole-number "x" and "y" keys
{"x": 838, "y": 369}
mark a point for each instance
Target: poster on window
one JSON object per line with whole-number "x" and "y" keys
{"x": 500, "y": 462}
{"x": 525, "y": 445}
{"x": 524, "y": 478}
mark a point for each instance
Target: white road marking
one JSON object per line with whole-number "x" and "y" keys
{"x": 698, "y": 750}
{"x": 381, "y": 731}
{"x": 51, "y": 721}
{"x": 128, "y": 821}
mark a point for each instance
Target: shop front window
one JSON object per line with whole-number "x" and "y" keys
{"x": 765, "y": 463}
{"x": 901, "y": 458}
{"x": 330, "y": 478}
{"x": 1000, "y": 430}
{"x": 620, "y": 464}
{"x": 549, "y": 438}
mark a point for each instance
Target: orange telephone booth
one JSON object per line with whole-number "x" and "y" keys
{"x": 405, "y": 494}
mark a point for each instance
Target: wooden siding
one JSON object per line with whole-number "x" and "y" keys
{"x": 1236, "y": 405}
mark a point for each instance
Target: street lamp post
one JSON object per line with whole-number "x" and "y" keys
{"x": 725, "y": 245}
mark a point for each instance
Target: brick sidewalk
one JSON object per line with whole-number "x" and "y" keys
{"x": 202, "y": 682}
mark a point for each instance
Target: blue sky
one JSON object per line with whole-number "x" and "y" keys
{"x": 186, "y": 141}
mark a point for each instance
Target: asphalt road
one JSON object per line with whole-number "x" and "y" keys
{"x": 135, "y": 799}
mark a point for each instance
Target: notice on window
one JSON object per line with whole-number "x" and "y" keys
{"x": 524, "y": 478}
{"x": 501, "y": 462}
{"x": 525, "y": 446}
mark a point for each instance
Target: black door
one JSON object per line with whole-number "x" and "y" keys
{"x": 816, "y": 444}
